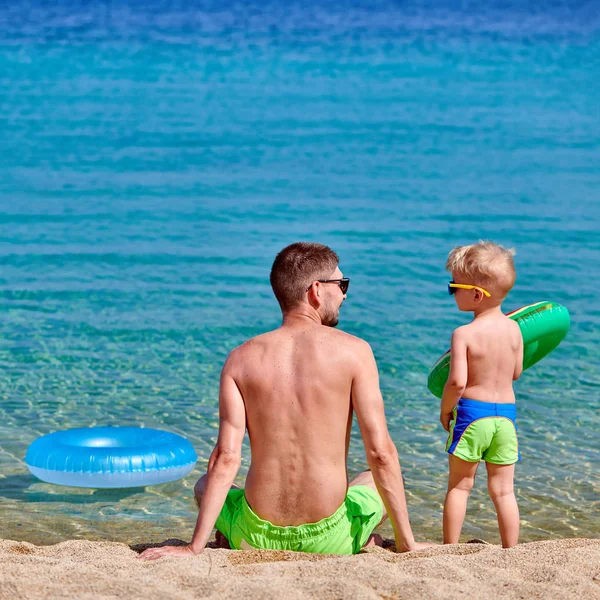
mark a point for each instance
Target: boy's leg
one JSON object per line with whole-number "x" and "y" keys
{"x": 460, "y": 482}
{"x": 501, "y": 488}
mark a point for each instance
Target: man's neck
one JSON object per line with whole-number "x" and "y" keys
{"x": 301, "y": 316}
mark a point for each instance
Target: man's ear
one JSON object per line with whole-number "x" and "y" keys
{"x": 314, "y": 294}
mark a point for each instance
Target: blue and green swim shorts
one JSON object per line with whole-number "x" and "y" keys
{"x": 484, "y": 431}
{"x": 346, "y": 531}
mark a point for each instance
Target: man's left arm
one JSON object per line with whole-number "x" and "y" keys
{"x": 223, "y": 466}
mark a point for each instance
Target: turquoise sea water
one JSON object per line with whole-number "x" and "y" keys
{"x": 154, "y": 159}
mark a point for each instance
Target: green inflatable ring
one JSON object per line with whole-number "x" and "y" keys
{"x": 543, "y": 325}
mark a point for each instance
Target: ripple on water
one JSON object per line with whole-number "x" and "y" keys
{"x": 144, "y": 194}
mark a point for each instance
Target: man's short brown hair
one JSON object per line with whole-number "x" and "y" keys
{"x": 296, "y": 267}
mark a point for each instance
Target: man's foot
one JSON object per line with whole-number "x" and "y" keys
{"x": 222, "y": 541}
{"x": 374, "y": 540}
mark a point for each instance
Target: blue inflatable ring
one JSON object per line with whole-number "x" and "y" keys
{"x": 110, "y": 457}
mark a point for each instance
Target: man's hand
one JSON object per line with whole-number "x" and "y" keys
{"x": 178, "y": 551}
{"x": 415, "y": 546}
{"x": 445, "y": 419}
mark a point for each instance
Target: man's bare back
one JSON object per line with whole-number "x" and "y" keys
{"x": 296, "y": 383}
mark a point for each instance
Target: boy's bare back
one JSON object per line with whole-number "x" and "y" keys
{"x": 493, "y": 347}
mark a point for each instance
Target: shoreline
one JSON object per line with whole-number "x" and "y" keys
{"x": 568, "y": 568}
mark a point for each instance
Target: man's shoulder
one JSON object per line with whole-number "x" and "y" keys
{"x": 337, "y": 337}
{"x": 352, "y": 343}
{"x": 359, "y": 343}
{"x": 250, "y": 345}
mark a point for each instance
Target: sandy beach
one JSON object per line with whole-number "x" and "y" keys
{"x": 102, "y": 570}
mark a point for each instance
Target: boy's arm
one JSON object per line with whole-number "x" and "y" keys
{"x": 519, "y": 359}
{"x": 223, "y": 466}
{"x": 457, "y": 378}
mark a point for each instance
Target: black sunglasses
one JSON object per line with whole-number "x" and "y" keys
{"x": 344, "y": 282}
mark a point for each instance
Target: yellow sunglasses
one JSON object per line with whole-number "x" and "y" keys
{"x": 452, "y": 287}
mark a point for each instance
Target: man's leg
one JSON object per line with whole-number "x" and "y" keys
{"x": 460, "y": 482}
{"x": 366, "y": 478}
{"x": 501, "y": 488}
{"x": 199, "y": 488}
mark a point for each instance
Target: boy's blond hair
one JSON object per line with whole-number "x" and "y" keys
{"x": 486, "y": 264}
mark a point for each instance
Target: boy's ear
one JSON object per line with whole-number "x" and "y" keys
{"x": 478, "y": 295}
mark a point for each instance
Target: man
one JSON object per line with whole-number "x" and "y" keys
{"x": 295, "y": 389}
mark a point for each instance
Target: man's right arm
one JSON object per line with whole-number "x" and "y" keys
{"x": 223, "y": 466}
{"x": 225, "y": 460}
{"x": 381, "y": 452}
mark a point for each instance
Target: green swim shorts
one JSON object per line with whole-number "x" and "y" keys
{"x": 484, "y": 431}
{"x": 346, "y": 531}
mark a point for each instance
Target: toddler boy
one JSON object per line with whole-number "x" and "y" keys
{"x": 478, "y": 404}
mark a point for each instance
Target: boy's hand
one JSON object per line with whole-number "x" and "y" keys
{"x": 445, "y": 419}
